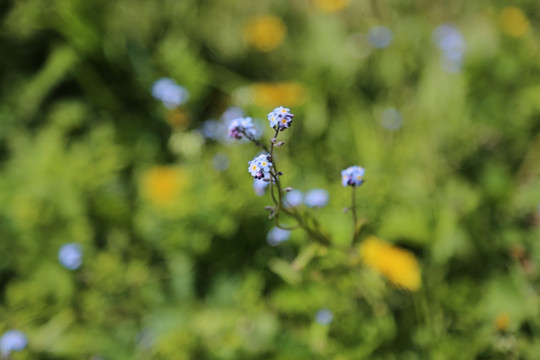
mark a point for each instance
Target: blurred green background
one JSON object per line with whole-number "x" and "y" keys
{"x": 439, "y": 101}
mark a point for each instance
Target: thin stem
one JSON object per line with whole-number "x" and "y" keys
{"x": 255, "y": 141}
{"x": 355, "y": 217}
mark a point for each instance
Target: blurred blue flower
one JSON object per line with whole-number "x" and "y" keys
{"x": 324, "y": 317}
{"x": 70, "y": 256}
{"x": 452, "y": 45}
{"x": 238, "y": 128}
{"x": 259, "y": 186}
{"x": 316, "y": 198}
{"x": 232, "y": 113}
{"x": 352, "y": 176}
{"x": 169, "y": 92}
{"x": 391, "y": 119}
{"x": 380, "y": 36}
{"x": 221, "y": 162}
{"x": 12, "y": 340}
{"x": 276, "y": 236}
{"x": 213, "y": 129}
{"x": 293, "y": 198}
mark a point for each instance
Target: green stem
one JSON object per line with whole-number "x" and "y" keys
{"x": 355, "y": 217}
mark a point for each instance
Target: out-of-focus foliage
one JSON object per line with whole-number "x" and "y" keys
{"x": 439, "y": 101}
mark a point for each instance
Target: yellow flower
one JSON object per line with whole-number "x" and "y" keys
{"x": 268, "y": 95}
{"x": 513, "y": 21}
{"x": 265, "y": 33}
{"x": 177, "y": 118}
{"x": 398, "y": 265}
{"x": 162, "y": 184}
{"x": 330, "y": 5}
{"x": 502, "y": 321}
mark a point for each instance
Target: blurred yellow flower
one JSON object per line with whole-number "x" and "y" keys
{"x": 330, "y": 5}
{"x": 513, "y": 21}
{"x": 162, "y": 184}
{"x": 502, "y": 321}
{"x": 398, "y": 265}
{"x": 269, "y": 95}
{"x": 265, "y": 33}
{"x": 177, "y": 118}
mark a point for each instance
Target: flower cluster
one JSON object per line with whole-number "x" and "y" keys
{"x": 352, "y": 176}
{"x": 242, "y": 127}
{"x": 280, "y": 117}
{"x": 260, "y": 166}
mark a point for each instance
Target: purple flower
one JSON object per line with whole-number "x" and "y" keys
{"x": 241, "y": 127}
{"x": 352, "y": 176}
{"x": 70, "y": 256}
{"x": 12, "y": 340}
{"x": 276, "y": 236}
{"x": 280, "y": 117}
{"x": 316, "y": 198}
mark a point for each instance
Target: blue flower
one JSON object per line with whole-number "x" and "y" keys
{"x": 221, "y": 162}
{"x": 380, "y": 36}
{"x": 213, "y": 129}
{"x": 260, "y": 166}
{"x": 391, "y": 119}
{"x": 276, "y": 236}
{"x": 293, "y": 198}
{"x": 316, "y": 198}
{"x": 452, "y": 45}
{"x": 259, "y": 186}
{"x": 12, "y": 340}
{"x": 70, "y": 256}
{"x": 352, "y": 176}
{"x": 241, "y": 127}
{"x": 280, "y": 117}
{"x": 169, "y": 92}
{"x": 324, "y": 317}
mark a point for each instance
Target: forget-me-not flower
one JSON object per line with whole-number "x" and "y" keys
{"x": 276, "y": 236}
{"x": 316, "y": 198}
{"x": 260, "y": 166}
{"x": 280, "y": 117}
{"x": 352, "y": 176}
{"x": 238, "y": 128}
{"x": 391, "y": 119}
{"x": 380, "y": 36}
{"x": 293, "y": 198}
{"x": 169, "y": 92}
{"x": 259, "y": 186}
{"x": 12, "y": 340}
{"x": 324, "y": 317}
{"x": 70, "y": 256}
{"x": 452, "y": 45}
